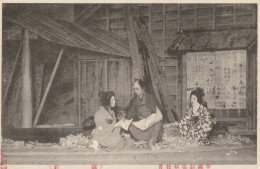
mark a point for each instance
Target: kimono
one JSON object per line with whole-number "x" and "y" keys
{"x": 140, "y": 109}
{"x": 196, "y": 127}
{"x": 105, "y": 133}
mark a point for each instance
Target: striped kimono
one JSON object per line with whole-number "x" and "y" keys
{"x": 105, "y": 133}
{"x": 196, "y": 127}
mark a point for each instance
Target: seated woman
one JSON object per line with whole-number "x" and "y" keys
{"x": 196, "y": 123}
{"x": 143, "y": 110}
{"x": 105, "y": 132}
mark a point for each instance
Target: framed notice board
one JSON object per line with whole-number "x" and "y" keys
{"x": 222, "y": 75}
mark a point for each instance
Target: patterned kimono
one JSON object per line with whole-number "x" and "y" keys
{"x": 196, "y": 127}
{"x": 105, "y": 133}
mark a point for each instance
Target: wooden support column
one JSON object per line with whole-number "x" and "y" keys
{"x": 27, "y": 105}
{"x": 48, "y": 88}
{"x": 137, "y": 70}
{"x": 75, "y": 86}
{"x": 79, "y": 94}
{"x": 157, "y": 80}
{"x": 184, "y": 84}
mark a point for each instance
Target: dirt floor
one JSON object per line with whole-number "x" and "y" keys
{"x": 227, "y": 150}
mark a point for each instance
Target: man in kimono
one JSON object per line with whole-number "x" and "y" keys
{"x": 141, "y": 108}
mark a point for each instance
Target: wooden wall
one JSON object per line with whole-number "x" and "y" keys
{"x": 102, "y": 74}
{"x": 164, "y": 21}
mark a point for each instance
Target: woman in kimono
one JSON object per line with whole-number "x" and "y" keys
{"x": 105, "y": 133}
{"x": 146, "y": 125}
{"x": 196, "y": 123}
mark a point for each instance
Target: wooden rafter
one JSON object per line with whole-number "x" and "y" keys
{"x": 87, "y": 13}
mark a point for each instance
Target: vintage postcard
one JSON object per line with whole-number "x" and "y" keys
{"x": 99, "y": 85}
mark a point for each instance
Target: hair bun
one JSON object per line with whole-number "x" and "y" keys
{"x": 200, "y": 91}
{"x": 100, "y": 93}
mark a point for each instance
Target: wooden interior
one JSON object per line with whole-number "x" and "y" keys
{"x": 101, "y": 53}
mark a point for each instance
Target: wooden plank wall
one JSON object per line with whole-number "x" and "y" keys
{"x": 164, "y": 21}
{"x": 103, "y": 75}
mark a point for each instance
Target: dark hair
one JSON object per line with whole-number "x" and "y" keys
{"x": 199, "y": 93}
{"x": 140, "y": 82}
{"x": 105, "y": 97}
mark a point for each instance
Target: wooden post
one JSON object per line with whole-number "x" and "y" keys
{"x": 179, "y": 87}
{"x": 80, "y": 90}
{"x": 48, "y": 88}
{"x": 27, "y": 105}
{"x": 75, "y": 72}
{"x": 38, "y": 80}
{"x": 136, "y": 58}
{"x": 184, "y": 84}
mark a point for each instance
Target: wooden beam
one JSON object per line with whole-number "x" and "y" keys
{"x": 158, "y": 82}
{"x": 254, "y": 67}
{"x": 38, "y": 81}
{"x": 27, "y": 104}
{"x": 179, "y": 87}
{"x": 48, "y": 88}
{"x": 249, "y": 91}
{"x": 12, "y": 73}
{"x": 137, "y": 70}
{"x": 184, "y": 84}
{"x": 75, "y": 86}
{"x": 79, "y": 95}
{"x": 87, "y": 13}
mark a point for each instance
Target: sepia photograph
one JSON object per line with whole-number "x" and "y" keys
{"x": 172, "y": 85}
